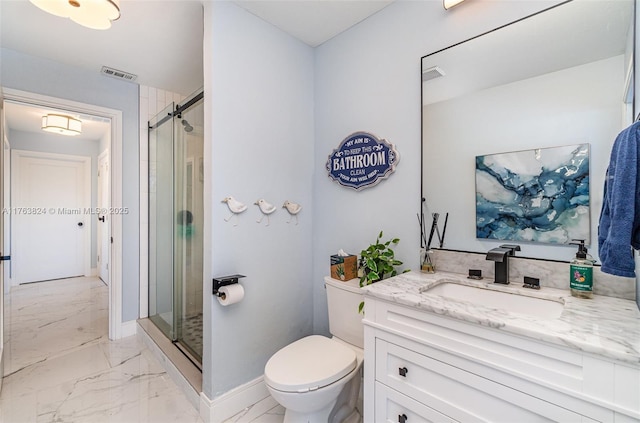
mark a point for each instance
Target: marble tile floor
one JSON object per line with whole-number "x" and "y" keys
{"x": 265, "y": 411}
{"x": 61, "y": 366}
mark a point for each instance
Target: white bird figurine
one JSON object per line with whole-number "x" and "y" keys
{"x": 266, "y": 210}
{"x": 293, "y": 210}
{"x": 235, "y": 206}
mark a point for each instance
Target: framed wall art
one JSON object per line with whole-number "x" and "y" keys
{"x": 539, "y": 195}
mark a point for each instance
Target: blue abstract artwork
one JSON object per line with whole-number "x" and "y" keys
{"x": 539, "y": 195}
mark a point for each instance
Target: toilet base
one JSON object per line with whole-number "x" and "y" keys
{"x": 343, "y": 409}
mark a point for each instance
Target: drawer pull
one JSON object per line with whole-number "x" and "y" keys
{"x": 402, "y": 418}
{"x": 403, "y": 371}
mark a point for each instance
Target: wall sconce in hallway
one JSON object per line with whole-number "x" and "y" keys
{"x": 94, "y": 14}
{"x": 61, "y": 124}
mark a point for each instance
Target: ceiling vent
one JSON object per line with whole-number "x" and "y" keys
{"x": 432, "y": 73}
{"x": 115, "y": 73}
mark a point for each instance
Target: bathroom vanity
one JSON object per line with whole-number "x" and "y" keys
{"x": 442, "y": 348}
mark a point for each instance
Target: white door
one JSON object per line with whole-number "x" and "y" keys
{"x": 51, "y": 215}
{"x": 103, "y": 217}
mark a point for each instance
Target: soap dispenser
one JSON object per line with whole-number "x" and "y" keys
{"x": 581, "y": 272}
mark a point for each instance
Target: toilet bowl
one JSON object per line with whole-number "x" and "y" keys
{"x": 317, "y": 380}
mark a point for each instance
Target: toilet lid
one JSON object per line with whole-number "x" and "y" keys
{"x": 309, "y": 364}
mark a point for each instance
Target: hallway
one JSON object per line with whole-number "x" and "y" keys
{"x": 61, "y": 366}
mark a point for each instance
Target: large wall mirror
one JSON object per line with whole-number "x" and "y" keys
{"x": 560, "y": 77}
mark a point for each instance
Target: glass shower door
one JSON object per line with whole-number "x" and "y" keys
{"x": 161, "y": 212}
{"x": 176, "y": 219}
{"x": 188, "y": 243}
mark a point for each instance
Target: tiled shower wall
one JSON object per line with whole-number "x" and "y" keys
{"x": 152, "y": 101}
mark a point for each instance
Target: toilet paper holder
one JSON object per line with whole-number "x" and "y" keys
{"x": 224, "y": 281}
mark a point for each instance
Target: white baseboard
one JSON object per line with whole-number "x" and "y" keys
{"x": 231, "y": 403}
{"x": 129, "y": 328}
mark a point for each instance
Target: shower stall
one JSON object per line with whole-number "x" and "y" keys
{"x": 176, "y": 180}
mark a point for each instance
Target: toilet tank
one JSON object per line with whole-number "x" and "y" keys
{"x": 343, "y": 299}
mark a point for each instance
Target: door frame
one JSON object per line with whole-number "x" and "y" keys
{"x": 115, "y": 166}
{"x": 85, "y": 162}
{"x": 6, "y": 198}
{"x": 3, "y": 141}
{"x": 102, "y": 158}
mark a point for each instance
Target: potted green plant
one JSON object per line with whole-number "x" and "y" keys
{"x": 378, "y": 262}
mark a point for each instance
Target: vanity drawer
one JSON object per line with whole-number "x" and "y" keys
{"x": 394, "y": 407}
{"x": 459, "y": 394}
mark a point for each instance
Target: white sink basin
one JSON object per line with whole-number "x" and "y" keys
{"x": 514, "y": 303}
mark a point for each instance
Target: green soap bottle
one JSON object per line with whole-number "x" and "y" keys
{"x": 581, "y": 272}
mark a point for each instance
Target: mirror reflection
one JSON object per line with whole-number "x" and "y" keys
{"x": 557, "y": 78}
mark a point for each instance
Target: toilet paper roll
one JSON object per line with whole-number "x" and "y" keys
{"x": 230, "y": 294}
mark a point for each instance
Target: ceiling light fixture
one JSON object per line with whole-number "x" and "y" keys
{"x": 448, "y": 4}
{"x": 94, "y": 14}
{"x": 61, "y": 124}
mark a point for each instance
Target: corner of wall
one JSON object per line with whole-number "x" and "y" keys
{"x": 220, "y": 409}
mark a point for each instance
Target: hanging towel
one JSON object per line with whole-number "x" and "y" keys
{"x": 619, "y": 226}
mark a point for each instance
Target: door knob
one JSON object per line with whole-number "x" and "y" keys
{"x": 403, "y": 371}
{"x": 402, "y": 418}
{"x": 101, "y": 218}
{"x": 80, "y": 224}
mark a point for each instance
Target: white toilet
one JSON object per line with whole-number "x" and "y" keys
{"x": 317, "y": 379}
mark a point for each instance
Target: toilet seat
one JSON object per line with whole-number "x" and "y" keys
{"x": 309, "y": 364}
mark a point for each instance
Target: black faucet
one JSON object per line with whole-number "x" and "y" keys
{"x": 500, "y": 255}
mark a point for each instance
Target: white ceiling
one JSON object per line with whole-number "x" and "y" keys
{"x": 28, "y": 118}
{"x": 160, "y": 41}
{"x": 313, "y": 21}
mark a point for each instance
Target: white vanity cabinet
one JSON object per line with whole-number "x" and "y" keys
{"x": 424, "y": 367}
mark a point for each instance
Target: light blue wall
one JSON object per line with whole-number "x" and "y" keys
{"x": 259, "y": 103}
{"x": 41, "y": 76}
{"x": 277, "y": 109}
{"x": 50, "y": 143}
{"x": 369, "y": 79}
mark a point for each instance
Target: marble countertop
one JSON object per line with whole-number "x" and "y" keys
{"x": 605, "y": 326}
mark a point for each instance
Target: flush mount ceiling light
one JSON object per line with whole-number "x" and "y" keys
{"x": 448, "y": 4}
{"x": 61, "y": 124}
{"x": 94, "y": 14}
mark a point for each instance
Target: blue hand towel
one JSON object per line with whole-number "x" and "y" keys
{"x": 619, "y": 227}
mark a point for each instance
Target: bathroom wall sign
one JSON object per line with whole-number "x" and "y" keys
{"x": 362, "y": 160}
{"x": 539, "y": 195}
